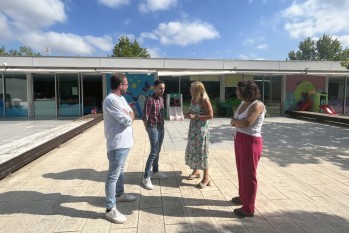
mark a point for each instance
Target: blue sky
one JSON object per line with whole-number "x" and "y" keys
{"x": 207, "y": 29}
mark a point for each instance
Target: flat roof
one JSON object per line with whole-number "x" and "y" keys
{"x": 167, "y": 66}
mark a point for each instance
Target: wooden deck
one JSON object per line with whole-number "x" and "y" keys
{"x": 336, "y": 119}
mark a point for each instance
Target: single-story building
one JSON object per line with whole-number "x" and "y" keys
{"x": 55, "y": 87}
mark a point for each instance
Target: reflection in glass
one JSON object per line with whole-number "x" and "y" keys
{"x": 2, "y": 99}
{"x": 336, "y": 93}
{"x": 44, "y": 95}
{"x": 16, "y": 95}
{"x": 68, "y": 95}
{"x": 270, "y": 89}
{"x": 93, "y": 93}
{"x": 346, "y": 112}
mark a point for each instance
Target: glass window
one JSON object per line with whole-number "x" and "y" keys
{"x": 68, "y": 95}
{"x": 346, "y": 110}
{"x": 2, "y": 101}
{"x": 171, "y": 84}
{"x": 270, "y": 89}
{"x": 93, "y": 93}
{"x": 185, "y": 89}
{"x": 16, "y": 95}
{"x": 336, "y": 93}
{"x": 44, "y": 95}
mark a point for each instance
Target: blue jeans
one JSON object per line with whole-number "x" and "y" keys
{"x": 114, "y": 183}
{"x": 156, "y": 137}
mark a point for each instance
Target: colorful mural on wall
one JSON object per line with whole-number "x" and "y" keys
{"x": 140, "y": 86}
{"x": 303, "y": 92}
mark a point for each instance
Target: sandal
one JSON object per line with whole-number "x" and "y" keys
{"x": 193, "y": 176}
{"x": 203, "y": 185}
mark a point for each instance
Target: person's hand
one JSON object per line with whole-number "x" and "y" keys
{"x": 132, "y": 115}
{"x": 232, "y": 122}
{"x": 191, "y": 116}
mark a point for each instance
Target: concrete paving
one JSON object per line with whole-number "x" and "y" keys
{"x": 303, "y": 184}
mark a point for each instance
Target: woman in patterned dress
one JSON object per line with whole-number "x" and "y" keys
{"x": 196, "y": 153}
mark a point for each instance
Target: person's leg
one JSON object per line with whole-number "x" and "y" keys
{"x": 154, "y": 145}
{"x": 205, "y": 178}
{"x": 119, "y": 190}
{"x": 237, "y": 149}
{"x": 116, "y": 162}
{"x": 252, "y": 151}
{"x": 161, "y": 134}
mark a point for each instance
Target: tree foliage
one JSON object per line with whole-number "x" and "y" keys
{"x": 346, "y": 62}
{"x": 324, "y": 49}
{"x": 126, "y": 48}
{"x": 22, "y": 51}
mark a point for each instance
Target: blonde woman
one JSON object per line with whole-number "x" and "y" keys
{"x": 196, "y": 153}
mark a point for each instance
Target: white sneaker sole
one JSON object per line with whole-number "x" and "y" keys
{"x": 114, "y": 220}
{"x": 148, "y": 188}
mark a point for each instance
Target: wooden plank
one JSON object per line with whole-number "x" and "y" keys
{"x": 339, "y": 119}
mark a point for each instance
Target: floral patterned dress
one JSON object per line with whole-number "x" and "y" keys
{"x": 196, "y": 153}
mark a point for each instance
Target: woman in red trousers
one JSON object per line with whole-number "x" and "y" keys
{"x": 248, "y": 120}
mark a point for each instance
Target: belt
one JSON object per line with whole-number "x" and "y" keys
{"x": 156, "y": 126}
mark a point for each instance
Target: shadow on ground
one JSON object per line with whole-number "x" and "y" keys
{"x": 306, "y": 143}
{"x": 287, "y": 142}
{"x": 37, "y": 203}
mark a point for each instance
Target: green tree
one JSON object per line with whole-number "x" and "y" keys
{"x": 328, "y": 49}
{"x": 22, "y": 51}
{"x": 307, "y": 51}
{"x": 324, "y": 49}
{"x": 125, "y": 48}
{"x": 2, "y": 51}
{"x": 345, "y": 58}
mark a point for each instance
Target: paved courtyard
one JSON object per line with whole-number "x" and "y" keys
{"x": 303, "y": 184}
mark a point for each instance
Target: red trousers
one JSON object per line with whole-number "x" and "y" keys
{"x": 248, "y": 150}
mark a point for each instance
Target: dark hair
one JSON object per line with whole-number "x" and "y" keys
{"x": 249, "y": 90}
{"x": 158, "y": 81}
{"x": 116, "y": 79}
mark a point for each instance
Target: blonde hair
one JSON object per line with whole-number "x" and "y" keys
{"x": 200, "y": 93}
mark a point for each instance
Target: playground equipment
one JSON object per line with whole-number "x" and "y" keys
{"x": 316, "y": 102}
{"x": 308, "y": 103}
{"x": 321, "y": 101}
{"x": 174, "y": 106}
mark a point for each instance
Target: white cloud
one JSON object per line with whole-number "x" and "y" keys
{"x": 65, "y": 43}
{"x": 262, "y": 46}
{"x": 248, "y": 41}
{"x": 58, "y": 43}
{"x": 156, "y": 5}
{"x": 114, "y": 3}
{"x": 25, "y": 22}
{"x": 344, "y": 41}
{"x": 32, "y": 15}
{"x": 250, "y": 56}
{"x": 182, "y": 33}
{"x": 5, "y": 29}
{"x": 103, "y": 43}
{"x": 314, "y": 17}
{"x": 154, "y": 52}
{"x": 255, "y": 42}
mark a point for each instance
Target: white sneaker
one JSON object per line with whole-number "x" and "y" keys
{"x": 147, "y": 183}
{"x": 125, "y": 198}
{"x": 115, "y": 216}
{"x": 158, "y": 175}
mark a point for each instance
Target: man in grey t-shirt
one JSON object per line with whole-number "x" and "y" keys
{"x": 118, "y": 117}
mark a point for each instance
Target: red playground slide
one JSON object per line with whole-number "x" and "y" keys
{"x": 328, "y": 109}
{"x": 305, "y": 106}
